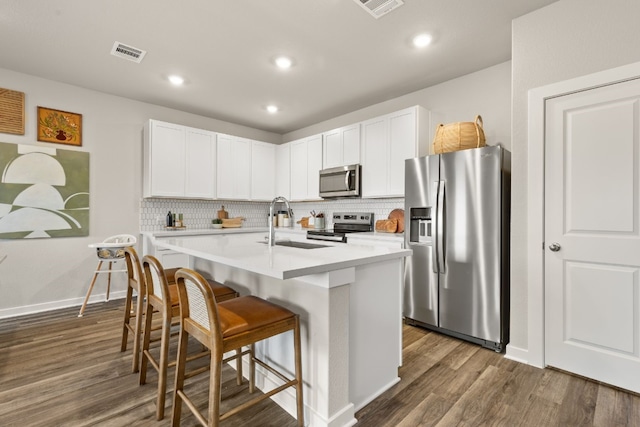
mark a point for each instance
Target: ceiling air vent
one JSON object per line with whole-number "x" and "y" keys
{"x": 128, "y": 52}
{"x": 378, "y": 8}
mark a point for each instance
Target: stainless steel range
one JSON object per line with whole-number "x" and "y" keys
{"x": 343, "y": 224}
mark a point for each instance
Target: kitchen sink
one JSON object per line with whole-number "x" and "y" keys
{"x": 300, "y": 245}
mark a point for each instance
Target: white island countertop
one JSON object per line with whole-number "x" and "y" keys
{"x": 249, "y": 252}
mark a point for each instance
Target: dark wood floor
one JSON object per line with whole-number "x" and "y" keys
{"x": 60, "y": 370}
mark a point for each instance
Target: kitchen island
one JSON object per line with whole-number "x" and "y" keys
{"x": 349, "y": 301}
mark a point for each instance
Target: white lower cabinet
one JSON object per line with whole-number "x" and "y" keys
{"x": 172, "y": 259}
{"x": 167, "y": 257}
{"x": 387, "y": 141}
{"x": 393, "y": 241}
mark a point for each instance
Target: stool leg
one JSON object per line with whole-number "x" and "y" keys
{"x": 297, "y": 348}
{"x": 181, "y": 362}
{"x": 93, "y": 282}
{"x": 109, "y": 281}
{"x": 164, "y": 362}
{"x": 127, "y": 318}
{"x": 239, "y": 366}
{"x": 144, "y": 358}
{"x": 252, "y": 368}
{"x": 137, "y": 332}
{"x": 215, "y": 390}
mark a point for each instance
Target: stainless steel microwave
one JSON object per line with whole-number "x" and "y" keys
{"x": 343, "y": 181}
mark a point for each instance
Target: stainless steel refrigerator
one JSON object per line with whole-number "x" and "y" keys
{"x": 457, "y": 211}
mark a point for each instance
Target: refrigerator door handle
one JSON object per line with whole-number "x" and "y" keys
{"x": 439, "y": 243}
{"x": 435, "y": 188}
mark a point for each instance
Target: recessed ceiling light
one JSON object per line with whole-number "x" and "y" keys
{"x": 176, "y": 80}
{"x": 422, "y": 40}
{"x": 283, "y": 62}
{"x": 272, "y": 109}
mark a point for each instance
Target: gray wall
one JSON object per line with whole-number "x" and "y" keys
{"x": 567, "y": 39}
{"x": 486, "y": 92}
{"x": 49, "y": 273}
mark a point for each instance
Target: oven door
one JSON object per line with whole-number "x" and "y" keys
{"x": 343, "y": 181}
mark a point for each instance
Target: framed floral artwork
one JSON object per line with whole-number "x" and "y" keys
{"x": 61, "y": 127}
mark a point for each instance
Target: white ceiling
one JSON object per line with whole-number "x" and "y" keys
{"x": 344, "y": 58}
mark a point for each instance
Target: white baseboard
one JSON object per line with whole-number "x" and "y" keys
{"x": 517, "y": 354}
{"x": 55, "y": 305}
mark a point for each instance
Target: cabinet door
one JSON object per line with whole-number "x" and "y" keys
{"x": 263, "y": 160}
{"x": 241, "y": 152}
{"x": 341, "y": 147}
{"x": 402, "y": 140}
{"x": 200, "y": 164}
{"x": 375, "y": 157}
{"x": 167, "y": 159}
{"x": 332, "y": 149}
{"x": 283, "y": 170}
{"x": 233, "y": 168}
{"x": 351, "y": 145}
{"x": 314, "y": 165}
{"x": 224, "y": 167}
{"x": 298, "y": 170}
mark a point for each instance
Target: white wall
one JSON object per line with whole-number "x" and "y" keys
{"x": 44, "y": 273}
{"x": 486, "y": 92}
{"x": 564, "y": 40}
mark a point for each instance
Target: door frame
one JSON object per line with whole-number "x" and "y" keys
{"x": 535, "y": 193}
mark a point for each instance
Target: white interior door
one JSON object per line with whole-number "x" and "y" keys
{"x": 592, "y": 234}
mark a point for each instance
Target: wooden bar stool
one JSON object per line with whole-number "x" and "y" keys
{"x": 111, "y": 250}
{"x": 226, "y": 326}
{"x": 161, "y": 297}
{"x": 136, "y": 283}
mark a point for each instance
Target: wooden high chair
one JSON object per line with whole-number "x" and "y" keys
{"x": 111, "y": 250}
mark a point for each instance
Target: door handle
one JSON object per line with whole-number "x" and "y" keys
{"x": 555, "y": 247}
{"x": 435, "y": 187}
{"x": 440, "y": 228}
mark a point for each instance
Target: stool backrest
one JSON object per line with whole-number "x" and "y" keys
{"x": 198, "y": 303}
{"x": 155, "y": 280}
{"x": 134, "y": 270}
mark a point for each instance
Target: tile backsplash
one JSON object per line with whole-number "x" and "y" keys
{"x": 199, "y": 213}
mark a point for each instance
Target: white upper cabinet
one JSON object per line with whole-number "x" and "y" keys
{"x": 387, "y": 141}
{"x": 341, "y": 146}
{"x": 233, "y": 168}
{"x": 283, "y": 170}
{"x": 306, "y": 163}
{"x": 178, "y": 161}
{"x": 263, "y": 170}
{"x": 200, "y": 161}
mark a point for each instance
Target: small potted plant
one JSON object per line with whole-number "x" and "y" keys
{"x": 216, "y": 223}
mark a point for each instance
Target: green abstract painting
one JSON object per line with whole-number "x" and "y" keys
{"x": 44, "y": 192}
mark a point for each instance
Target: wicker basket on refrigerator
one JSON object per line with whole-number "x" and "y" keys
{"x": 459, "y": 136}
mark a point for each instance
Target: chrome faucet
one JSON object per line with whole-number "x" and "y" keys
{"x": 272, "y": 231}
